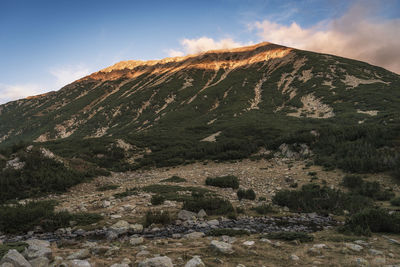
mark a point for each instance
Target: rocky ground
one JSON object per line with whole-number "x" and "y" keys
{"x": 120, "y": 239}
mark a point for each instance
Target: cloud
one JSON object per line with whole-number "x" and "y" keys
{"x": 67, "y": 74}
{"x": 202, "y": 44}
{"x": 360, "y": 34}
{"x": 18, "y": 91}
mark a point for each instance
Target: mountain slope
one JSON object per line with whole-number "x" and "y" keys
{"x": 173, "y": 109}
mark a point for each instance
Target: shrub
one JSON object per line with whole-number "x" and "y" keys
{"x": 22, "y": 218}
{"x": 246, "y": 194}
{"x": 352, "y": 181}
{"x": 262, "y": 199}
{"x": 228, "y": 181}
{"x": 18, "y": 246}
{"x": 157, "y": 199}
{"x": 313, "y": 198}
{"x": 289, "y": 236}
{"x": 107, "y": 187}
{"x": 395, "y": 201}
{"x": 157, "y": 217}
{"x": 227, "y": 231}
{"x": 211, "y": 205}
{"x": 263, "y": 209}
{"x": 372, "y": 220}
{"x": 128, "y": 192}
{"x": 174, "y": 179}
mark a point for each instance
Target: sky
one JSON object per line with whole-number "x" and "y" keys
{"x": 47, "y": 44}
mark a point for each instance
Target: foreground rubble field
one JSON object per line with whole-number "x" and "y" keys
{"x": 123, "y": 237}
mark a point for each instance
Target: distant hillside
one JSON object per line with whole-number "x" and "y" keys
{"x": 220, "y": 105}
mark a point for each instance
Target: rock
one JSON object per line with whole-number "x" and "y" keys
{"x": 228, "y": 239}
{"x": 248, "y": 243}
{"x": 157, "y": 262}
{"x": 7, "y": 264}
{"x": 15, "y": 164}
{"x": 79, "y": 255}
{"x": 78, "y": 263}
{"x": 222, "y": 247}
{"x": 314, "y": 251}
{"x": 294, "y": 257}
{"x": 195, "y": 262}
{"x": 185, "y": 215}
{"x": 201, "y": 214}
{"x": 99, "y": 250}
{"x": 375, "y": 252}
{"x": 240, "y": 265}
{"x": 134, "y": 241}
{"x": 106, "y": 204}
{"x": 137, "y": 228}
{"x": 361, "y": 243}
{"x": 361, "y": 262}
{"x": 194, "y": 235}
{"x": 40, "y": 262}
{"x": 394, "y": 241}
{"x": 379, "y": 261}
{"x": 353, "y": 247}
{"x": 128, "y": 207}
{"x": 213, "y": 222}
{"x": 176, "y": 236}
{"x": 121, "y": 227}
{"x": 15, "y": 258}
{"x": 320, "y": 246}
{"x": 37, "y": 248}
{"x": 111, "y": 235}
{"x": 120, "y": 265}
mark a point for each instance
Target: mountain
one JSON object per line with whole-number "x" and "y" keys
{"x": 222, "y": 104}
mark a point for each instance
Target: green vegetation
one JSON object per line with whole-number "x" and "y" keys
{"x": 175, "y": 192}
{"x": 263, "y": 209}
{"x": 157, "y": 199}
{"x": 128, "y": 192}
{"x": 157, "y": 217}
{"x": 395, "y": 201}
{"x": 369, "y": 189}
{"x": 324, "y": 200}
{"x": 228, "y": 232}
{"x": 372, "y": 220}
{"x": 107, "y": 187}
{"x": 18, "y": 246}
{"x": 289, "y": 236}
{"x": 228, "y": 181}
{"x": 22, "y": 218}
{"x": 174, "y": 179}
{"x": 246, "y": 194}
{"x": 211, "y": 205}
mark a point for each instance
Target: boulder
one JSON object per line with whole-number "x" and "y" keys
{"x": 157, "y": 262}
{"x": 79, "y": 263}
{"x": 194, "y": 235}
{"x": 121, "y": 227}
{"x": 354, "y": 247}
{"x": 195, "y": 262}
{"x": 79, "y": 255}
{"x": 40, "y": 262}
{"x": 15, "y": 258}
{"x": 185, "y": 215}
{"x": 37, "y": 248}
{"x": 137, "y": 228}
{"x": 221, "y": 247}
{"x": 134, "y": 241}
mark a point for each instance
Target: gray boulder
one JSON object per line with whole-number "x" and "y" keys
{"x": 15, "y": 258}
{"x": 79, "y": 263}
{"x": 79, "y": 255}
{"x": 194, "y": 235}
{"x": 185, "y": 215}
{"x": 37, "y": 248}
{"x": 40, "y": 262}
{"x": 195, "y": 262}
{"x": 134, "y": 241}
{"x": 221, "y": 247}
{"x": 157, "y": 262}
{"x": 121, "y": 227}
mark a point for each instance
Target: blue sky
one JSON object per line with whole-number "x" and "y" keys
{"x": 46, "y": 44}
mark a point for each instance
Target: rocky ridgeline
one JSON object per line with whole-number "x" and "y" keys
{"x": 187, "y": 223}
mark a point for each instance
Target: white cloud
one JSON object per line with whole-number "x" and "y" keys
{"x": 358, "y": 34}
{"x": 202, "y": 44}
{"x": 68, "y": 74}
{"x": 18, "y": 91}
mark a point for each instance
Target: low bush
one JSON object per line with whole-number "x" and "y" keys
{"x": 157, "y": 217}
{"x": 372, "y": 220}
{"x": 289, "y": 236}
{"x": 227, "y": 231}
{"x": 211, "y": 205}
{"x": 369, "y": 189}
{"x": 174, "y": 179}
{"x": 175, "y": 192}
{"x": 18, "y": 246}
{"x": 107, "y": 187}
{"x": 157, "y": 199}
{"x": 128, "y": 192}
{"x": 262, "y": 199}
{"x": 395, "y": 201}
{"x": 263, "y": 209}
{"x": 228, "y": 181}
{"x": 313, "y": 198}
{"x": 246, "y": 194}
{"x": 22, "y": 218}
